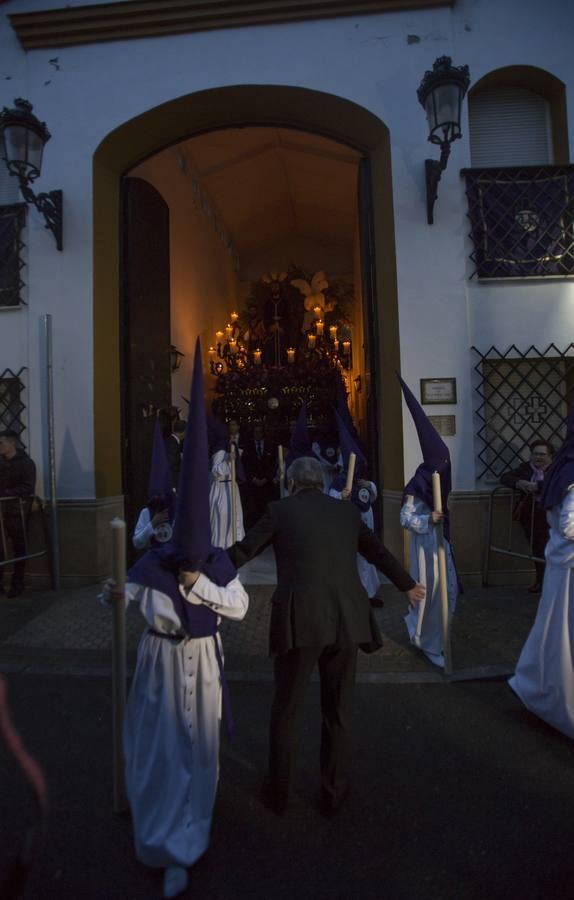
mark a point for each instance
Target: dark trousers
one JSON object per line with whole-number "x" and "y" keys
{"x": 14, "y": 533}
{"x": 337, "y": 664}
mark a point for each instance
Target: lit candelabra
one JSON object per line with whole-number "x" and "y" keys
{"x": 320, "y": 346}
{"x": 229, "y": 353}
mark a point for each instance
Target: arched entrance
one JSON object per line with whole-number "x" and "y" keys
{"x": 248, "y": 105}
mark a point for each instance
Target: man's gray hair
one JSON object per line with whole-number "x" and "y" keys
{"x": 305, "y": 472}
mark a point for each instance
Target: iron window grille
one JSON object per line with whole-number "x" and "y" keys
{"x": 521, "y": 221}
{"x": 522, "y": 396}
{"x": 11, "y": 405}
{"x": 12, "y": 220}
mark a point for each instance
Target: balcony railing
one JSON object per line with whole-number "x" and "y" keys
{"x": 521, "y": 221}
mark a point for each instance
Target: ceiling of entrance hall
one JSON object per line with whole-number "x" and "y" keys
{"x": 271, "y": 185}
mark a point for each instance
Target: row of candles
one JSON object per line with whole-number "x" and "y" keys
{"x": 235, "y": 347}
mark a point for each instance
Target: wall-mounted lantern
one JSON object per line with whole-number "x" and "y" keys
{"x": 175, "y": 358}
{"x": 22, "y": 140}
{"x": 441, "y": 93}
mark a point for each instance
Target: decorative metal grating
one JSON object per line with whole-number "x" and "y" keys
{"x": 12, "y": 220}
{"x": 523, "y": 396}
{"x": 522, "y": 221}
{"x": 11, "y": 405}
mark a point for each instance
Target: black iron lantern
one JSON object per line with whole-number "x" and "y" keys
{"x": 175, "y": 358}
{"x": 441, "y": 93}
{"x": 23, "y": 137}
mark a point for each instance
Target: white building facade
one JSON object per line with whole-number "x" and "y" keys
{"x": 118, "y": 87}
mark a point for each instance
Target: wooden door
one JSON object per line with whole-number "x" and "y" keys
{"x": 146, "y": 333}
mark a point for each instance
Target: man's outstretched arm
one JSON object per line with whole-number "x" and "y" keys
{"x": 255, "y": 541}
{"x": 375, "y": 552}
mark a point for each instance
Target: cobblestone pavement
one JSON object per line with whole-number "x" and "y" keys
{"x": 69, "y": 631}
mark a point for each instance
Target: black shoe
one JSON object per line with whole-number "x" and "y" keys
{"x": 332, "y": 805}
{"x": 15, "y": 591}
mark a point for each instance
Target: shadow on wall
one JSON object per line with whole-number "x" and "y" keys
{"x": 72, "y": 480}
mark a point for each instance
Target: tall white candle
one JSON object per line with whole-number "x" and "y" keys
{"x": 351, "y": 471}
{"x": 119, "y": 554}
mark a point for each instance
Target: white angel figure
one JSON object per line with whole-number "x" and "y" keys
{"x": 270, "y": 277}
{"x": 314, "y": 296}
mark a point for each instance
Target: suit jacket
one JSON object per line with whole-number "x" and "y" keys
{"x": 256, "y": 467}
{"x": 523, "y": 505}
{"x": 319, "y": 598}
{"x": 17, "y": 479}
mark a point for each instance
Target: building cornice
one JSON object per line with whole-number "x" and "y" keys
{"x": 122, "y": 21}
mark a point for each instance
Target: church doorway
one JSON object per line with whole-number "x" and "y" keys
{"x": 251, "y": 238}
{"x": 265, "y": 189}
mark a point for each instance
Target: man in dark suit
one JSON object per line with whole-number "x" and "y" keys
{"x": 173, "y": 448}
{"x": 529, "y": 479}
{"x": 260, "y": 464}
{"x": 17, "y": 479}
{"x": 320, "y": 614}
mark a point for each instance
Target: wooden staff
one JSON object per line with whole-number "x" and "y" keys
{"x": 351, "y": 472}
{"x": 442, "y": 580}
{"x": 281, "y": 467}
{"x": 119, "y": 658}
{"x": 233, "y": 497}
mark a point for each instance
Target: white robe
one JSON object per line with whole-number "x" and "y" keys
{"x": 171, "y": 728}
{"x": 544, "y": 677}
{"x": 424, "y": 623}
{"x": 368, "y": 573}
{"x": 222, "y": 532}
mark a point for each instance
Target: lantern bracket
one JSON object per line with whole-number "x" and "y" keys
{"x": 49, "y": 205}
{"x": 433, "y": 171}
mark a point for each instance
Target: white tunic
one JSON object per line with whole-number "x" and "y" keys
{"x": 222, "y": 532}
{"x": 171, "y": 729}
{"x": 368, "y": 573}
{"x": 424, "y": 623}
{"x": 544, "y": 677}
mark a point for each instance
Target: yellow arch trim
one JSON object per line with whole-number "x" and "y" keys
{"x": 177, "y": 120}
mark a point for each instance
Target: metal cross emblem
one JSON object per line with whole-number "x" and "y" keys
{"x": 536, "y": 409}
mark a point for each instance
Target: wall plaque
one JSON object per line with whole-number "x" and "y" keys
{"x": 438, "y": 390}
{"x": 445, "y": 425}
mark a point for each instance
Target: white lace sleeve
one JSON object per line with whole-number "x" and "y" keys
{"x": 143, "y": 532}
{"x": 220, "y": 467}
{"x": 566, "y": 525}
{"x": 412, "y": 519}
{"x": 230, "y": 601}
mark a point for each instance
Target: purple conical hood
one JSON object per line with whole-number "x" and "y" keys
{"x": 300, "y": 443}
{"x": 435, "y": 452}
{"x": 348, "y": 445}
{"x": 343, "y": 409}
{"x": 436, "y": 458}
{"x": 560, "y": 474}
{"x": 191, "y": 531}
{"x": 159, "y": 484}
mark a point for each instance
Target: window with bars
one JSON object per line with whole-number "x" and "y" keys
{"x": 12, "y": 220}
{"x": 522, "y": 396}
{"x": 11, "y": 405}
{"x": 521, "y": 221}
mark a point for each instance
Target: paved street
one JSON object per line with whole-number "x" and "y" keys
{"x": 458, "y": 791}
